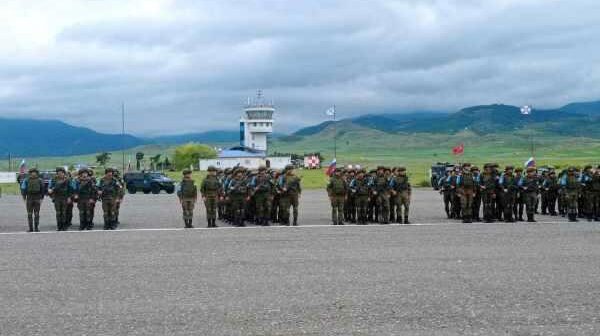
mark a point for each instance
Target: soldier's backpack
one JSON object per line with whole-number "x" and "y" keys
{"x": 468, "y": 181}
{"x": 34, "y": 187}
{"x": 212, "y": 184}
{"x": 188, "y": 189}
{"x": 338, "y": 187}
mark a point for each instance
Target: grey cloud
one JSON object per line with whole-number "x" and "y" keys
{"x": 202, "y": 62}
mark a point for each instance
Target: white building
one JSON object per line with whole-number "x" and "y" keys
{"x": 232, "y": 158}
{"x": 256, "y": 125}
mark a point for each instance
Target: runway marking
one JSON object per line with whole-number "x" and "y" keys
{"x": 310, "y": 226}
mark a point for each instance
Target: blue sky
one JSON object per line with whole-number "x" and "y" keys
{"x": 185, "y": 66}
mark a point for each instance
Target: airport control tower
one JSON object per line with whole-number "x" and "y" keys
{"x": 257, "y": 123}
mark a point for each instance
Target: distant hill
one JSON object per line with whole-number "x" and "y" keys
{"x": 484, "y": 119}
{"x": 28, "y": 138}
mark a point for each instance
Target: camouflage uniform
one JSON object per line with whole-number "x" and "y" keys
{"x": 262, "y": 189}
{"x": 466, "y": 185}
{"x": 109, "y": 189}
{"x": 60, "y": 191}
{"x": 290, "y": 190}
{"x": 86, "y": 194}
{"x": 210, "y": 190}
{"x": 509, "y": 187}
{"x": 361, "y": 189}
{"x": 571, "y": 188}
{"x": 32, "y": 190}
{"x": 381, "y": 191}
{"x": 187, "y": 192}
{"x": 488, "y": 194}
{"x": 337, "y": 190}
{"x": 529, "y": 188}
{"x": 402, "y": 190}
{"x": 237, "y": 192}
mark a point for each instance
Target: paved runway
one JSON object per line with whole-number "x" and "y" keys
{"x": 153, "y": 278}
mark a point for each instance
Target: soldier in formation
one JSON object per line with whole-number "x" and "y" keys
{"x": 109, "y": 193}
{"x": 85, "y": 194}
{"x": 377, "y": 196}
{"x": 210, "y": 190}
{"x": 33, "y": 190}
{"x": 60, "y": 191}
{"x": 187, "y": 192}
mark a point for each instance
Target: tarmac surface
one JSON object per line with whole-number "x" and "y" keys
{"x": 436, "y": 277}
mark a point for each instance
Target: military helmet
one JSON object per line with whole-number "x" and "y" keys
{"x": 186, "y": 172}
{"x": 474, "y": 168}
{"x": 61, "y": 169}
{"x": 108, "y": 170}
{"x": 211, "y": 168}
{"x": 509, "y": 167}
{"x": 34, "y": 170}
{"x": 262, "y": 168}
{"x": 83, "y": 171}
{"x": 518, "y": 170}
{"x": 531, "y": 169}
{"x": 587, "y": 167}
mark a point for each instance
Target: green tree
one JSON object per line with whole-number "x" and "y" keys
{"x": 189, "y": 154}
{"x": 103, "y": 158}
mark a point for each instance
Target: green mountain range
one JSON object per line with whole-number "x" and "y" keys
{"x": 368, "y": 134}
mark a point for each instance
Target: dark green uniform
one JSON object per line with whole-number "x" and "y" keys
{"x": 361, "y": 190}
{"x": 32, "y": 190}
{"x": 109, "y": 190}
{"x": 188, "y": 194}
{"x": 290, "y": 190}
{"x": 529, "y": 188}
{"x": 381, "y": 190}
{"x": 402, "y": 190}
{"x": 571, "y": 189}
{"x": 467, "y": 185}
{"x": 210, "y": 190}
{"x": 337, "y": 191}
{"x": 237, "y": 194}
{"x": 86, "y": 195}
{"x": 488, "y": 195}
{"x": 509, "y": 188}
{"x": 60, "y": 191}
{"x": 262, "y": 189}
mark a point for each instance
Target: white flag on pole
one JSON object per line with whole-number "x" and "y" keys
{"x": 330, "y": 111}
{"x": 526, "y": 110}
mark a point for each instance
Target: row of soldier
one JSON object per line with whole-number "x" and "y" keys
{"x": 232, "y": 195}
{"x": 240, "y": 195}
{"x": 65, "y": 190}
{"x": 381, "y": 195}
{"x": 505, "y": 195}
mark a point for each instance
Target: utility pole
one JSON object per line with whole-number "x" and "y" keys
{"x": 9, "y": 162}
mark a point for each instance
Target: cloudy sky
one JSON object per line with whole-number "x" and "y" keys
{"x": 183, "y": 66}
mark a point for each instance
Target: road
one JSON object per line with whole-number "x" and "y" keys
{"x": 432, "y": 278}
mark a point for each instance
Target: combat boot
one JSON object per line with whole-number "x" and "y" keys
{"x": 530, "y": 218}
{"x": 30, "y": 225}
{"x": 573, "y": 218}
{"x": 406, "y": 220}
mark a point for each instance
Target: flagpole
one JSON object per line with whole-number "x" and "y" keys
{"x": 334, "y": 135}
